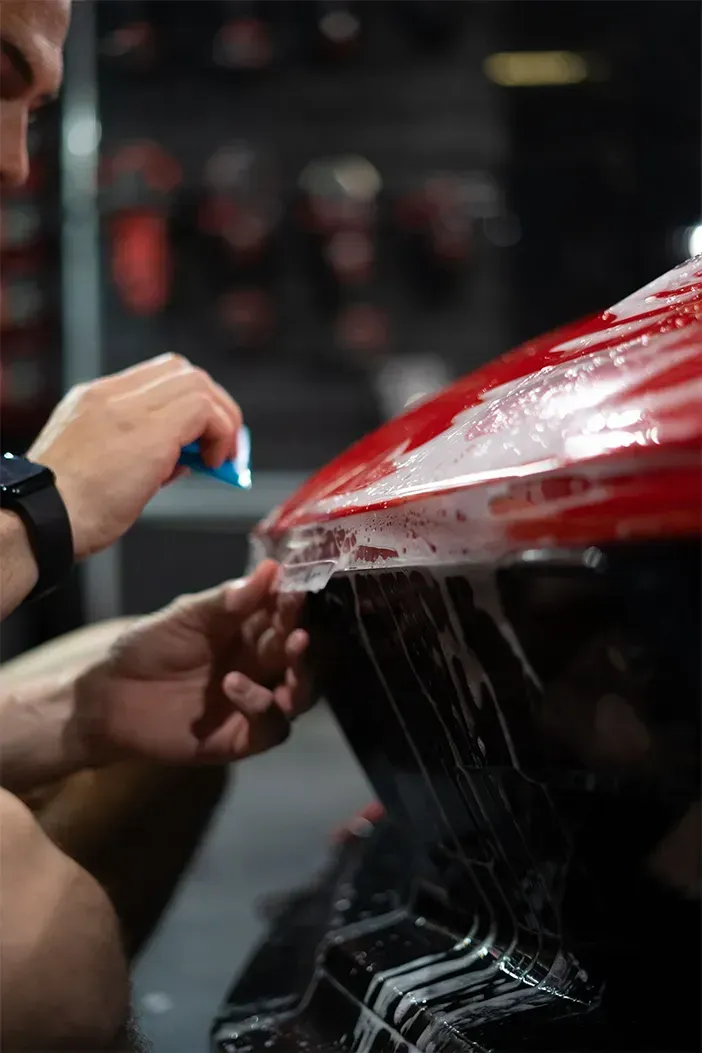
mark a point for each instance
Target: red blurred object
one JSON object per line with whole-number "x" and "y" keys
{"x": 439, "y": 213}
{"x": 243, "y": 43}
{"x": 27, "y": 372}
{"x": 24, "y": 297}
{"x": 362, "y": 328}
{"x": 350, "y": 255}
{"x": 241, "y": 207}
{"x": 21, "y": 225}
{"x": 584, "y": 436}
{"x": 129, "y": 38}
{"x": 133, "y": 43}
{"x": 339, "y": 194}
{"x": 339, "y": 212}
{"x": 26, "y": 390}
{"x": 22, "y": 229}
{"x": 141, "y": 262}
{"x": 249, "y": 314}
{"x": 245, "y": 233}
{"x": 138, "y": 184}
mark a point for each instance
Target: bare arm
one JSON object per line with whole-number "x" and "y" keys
{"x": 18, "y": 570}
{"x": 72, "y": 653}
{"x": 36, "y": 704}
{"x": 38, "y": 744}
{"x": 133, "y": 825}
{"x": 63, "y": 983}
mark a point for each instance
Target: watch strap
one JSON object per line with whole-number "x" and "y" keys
{"x": 49, "y": 531}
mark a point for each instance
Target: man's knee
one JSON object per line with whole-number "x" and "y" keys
{"x": 64, "y": 980}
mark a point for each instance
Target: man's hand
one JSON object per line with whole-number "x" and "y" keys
{"x": 112, "y": 444}
{"x": 212, "y": 678}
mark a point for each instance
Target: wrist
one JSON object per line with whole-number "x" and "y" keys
{"x": 28, "y": 491}
{"x": 39, "y": 739}
{"x": 15, "y": 541}
{"x": 20, "y": 572}
{"x": 69, "y": 492}
{"x": 89, "y": 734}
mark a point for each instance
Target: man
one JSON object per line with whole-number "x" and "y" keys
{"x": 181, "y": 686}
{"x": 113, "y": 443}
{"x": 212, "y": 678}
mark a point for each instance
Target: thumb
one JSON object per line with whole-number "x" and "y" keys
{"x": 243, "y": 597}
{"x": 233, "y": 601}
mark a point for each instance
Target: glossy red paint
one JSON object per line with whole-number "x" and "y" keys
{"x": 589, "y": 433}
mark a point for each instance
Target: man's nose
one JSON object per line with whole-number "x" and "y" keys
{"x": 14, "y": 158}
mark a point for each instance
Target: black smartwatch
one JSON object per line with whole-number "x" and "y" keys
{"x": 29, "y": 490}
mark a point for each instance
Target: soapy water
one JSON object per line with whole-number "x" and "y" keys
{"x": 511, "y": 957}
{"x": 490, "y": 523}
{"x": 593, "y": 437}
{"x": 492, "y": 976}
{"x": 600, "y": 442}
{"x": 566, "y": 414}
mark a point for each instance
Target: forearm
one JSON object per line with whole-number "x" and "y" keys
{"x": 38, "y": 744}
{"x": 72, "y": 653}
{"x": 18, "y": 569}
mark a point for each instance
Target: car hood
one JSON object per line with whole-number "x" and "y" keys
{"x": 589, "y": 434}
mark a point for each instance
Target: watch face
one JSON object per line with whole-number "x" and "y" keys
{"x": 19, "y": 476}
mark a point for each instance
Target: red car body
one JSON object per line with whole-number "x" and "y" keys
{"x": 592, "y": 433}
{"x": 503, "y": 596}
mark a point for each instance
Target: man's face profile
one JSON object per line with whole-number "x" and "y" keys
{"x": 32, "y": 34}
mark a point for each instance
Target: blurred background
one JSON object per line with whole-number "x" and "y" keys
{"x": 335, "y": 208}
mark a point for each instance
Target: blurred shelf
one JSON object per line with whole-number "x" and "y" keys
{"x": 207, "y": 504}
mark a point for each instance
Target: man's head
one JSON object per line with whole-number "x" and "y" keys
{"x": 32, "y": 33}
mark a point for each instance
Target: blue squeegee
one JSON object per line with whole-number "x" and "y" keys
{"x": 236, "y": 472}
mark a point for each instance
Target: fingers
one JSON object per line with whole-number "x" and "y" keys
{"x": 293, "y": 695}
{"x": 113, "y": 443}
{"x": 222, "y": 610}
{"x": 200, "y": 410}
{"x": 250, "y": 698}
{"x": 255, "y": 626}
{"x": 272, "y": 650}
{"x": 268, "y": 725}
{"x": 172, "y": 389}
{"x": 144, "y": 372}
{"x": 270, "y": 653}
{"x": 246, "y": 596}
{"x": 201, "y": 419}
{"x": 296, "y": 645}
{"x": 287, "y": 612}
{"x": 233, "y": 411}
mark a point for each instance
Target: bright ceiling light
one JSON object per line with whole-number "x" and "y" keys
{"x": 694, "y": 243}
{"x": 535, "y": 69}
